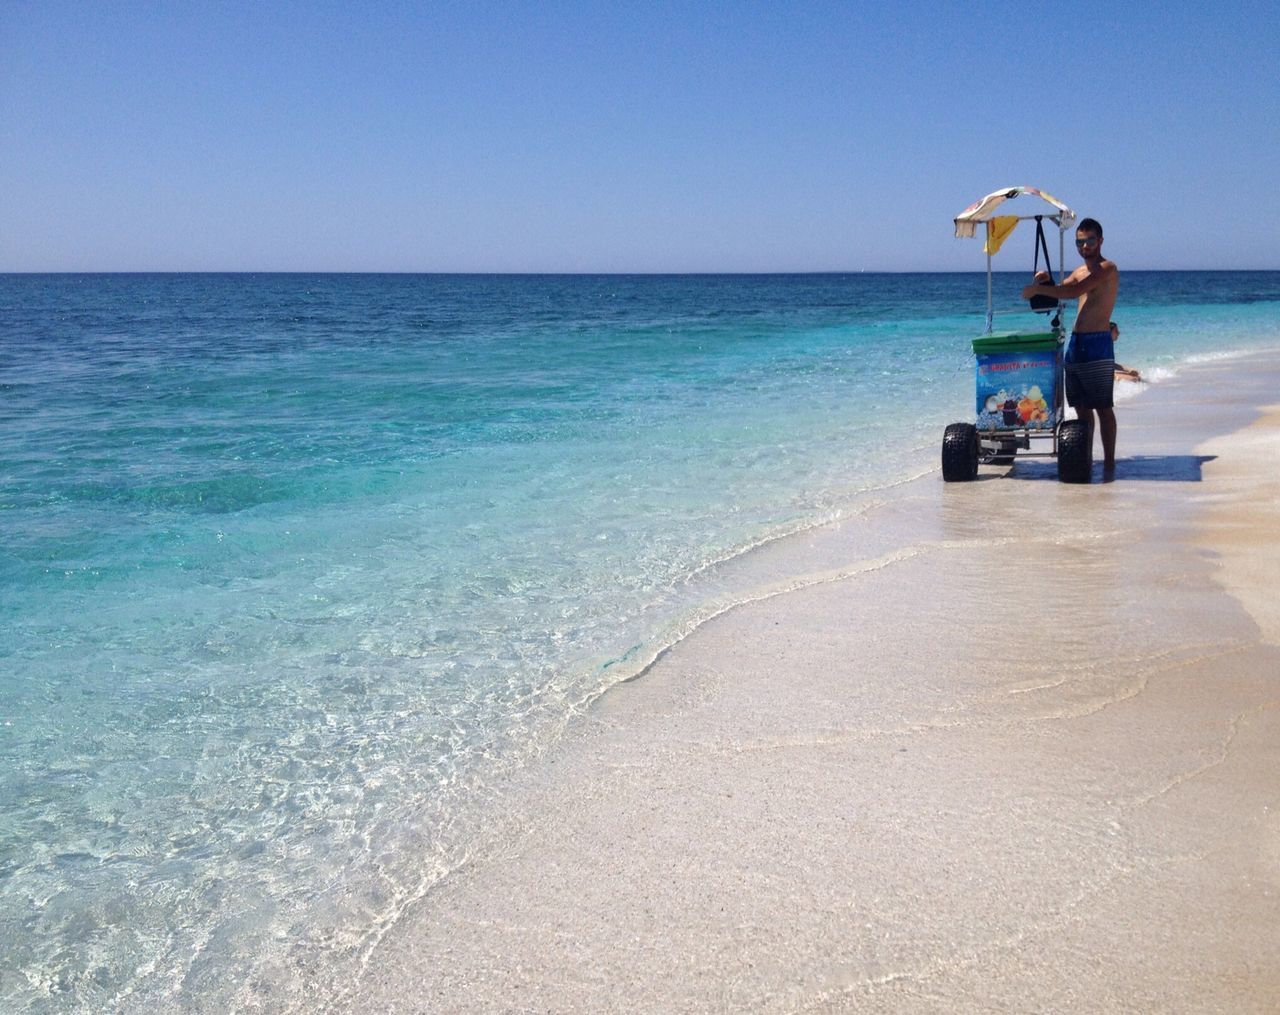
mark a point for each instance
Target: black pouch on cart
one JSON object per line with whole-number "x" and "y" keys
{"x": 1042, "y": 304}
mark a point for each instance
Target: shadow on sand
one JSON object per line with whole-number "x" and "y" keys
{"x": 1167, "y": 468}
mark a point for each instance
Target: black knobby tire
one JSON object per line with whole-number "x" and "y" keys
{"x": 960, "y": 453}
{"x": 1075, "y": 452}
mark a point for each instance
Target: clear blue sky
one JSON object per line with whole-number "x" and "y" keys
{"x": 725, "y": 136}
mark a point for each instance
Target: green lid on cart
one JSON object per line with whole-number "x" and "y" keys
{"x": 1015, "y": 341}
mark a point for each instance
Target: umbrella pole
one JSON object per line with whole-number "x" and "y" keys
{"x": 990, "y": 315}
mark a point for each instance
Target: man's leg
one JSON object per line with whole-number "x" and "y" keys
{"x": 1087, "y": 416}
{"x": 1107, "y": 426}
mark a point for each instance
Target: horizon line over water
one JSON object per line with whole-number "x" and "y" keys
{"x": 296, "y": 565}
{"x": 615, "y": 274}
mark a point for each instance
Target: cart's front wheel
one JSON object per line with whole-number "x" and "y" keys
{"x": 1075, "y": 452}
{"x": 960, "y": 453}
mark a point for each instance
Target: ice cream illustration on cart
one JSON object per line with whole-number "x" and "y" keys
{"x": 1016, "y": 408}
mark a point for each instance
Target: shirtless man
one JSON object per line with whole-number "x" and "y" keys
{"x": 1091, "y": 354}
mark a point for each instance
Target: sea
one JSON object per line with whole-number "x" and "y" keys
{"x": 295, "y": 569}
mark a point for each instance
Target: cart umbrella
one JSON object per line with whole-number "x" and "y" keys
{"x": 984, "y": 210}
{"x": 998, "y": 227}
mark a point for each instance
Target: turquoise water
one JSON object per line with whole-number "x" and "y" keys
{"x": 293, "y": 567}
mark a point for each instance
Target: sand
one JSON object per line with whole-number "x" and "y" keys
{"x": 1243, "y": 525}
{"x": 1005, "y": 746}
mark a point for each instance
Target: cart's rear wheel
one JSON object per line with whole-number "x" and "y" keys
{"x": 1075, "y": 452}
{"x": 960, "y": 453}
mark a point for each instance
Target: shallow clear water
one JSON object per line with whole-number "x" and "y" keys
{"x": 291, "y": 565}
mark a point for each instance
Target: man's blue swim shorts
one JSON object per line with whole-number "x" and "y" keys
{"x": 1091, "y": 370}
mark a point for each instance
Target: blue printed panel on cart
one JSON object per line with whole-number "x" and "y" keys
{"x": 1017, "y": 389}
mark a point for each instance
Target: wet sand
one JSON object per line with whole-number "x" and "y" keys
{"x": 1002, "y": 746}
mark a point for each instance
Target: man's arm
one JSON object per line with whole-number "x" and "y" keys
{"x": 1079, "y": 282}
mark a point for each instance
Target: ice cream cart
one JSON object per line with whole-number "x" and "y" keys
{"x": 1018, "y": 374}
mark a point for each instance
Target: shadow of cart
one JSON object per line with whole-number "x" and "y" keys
{"x": 1161, "y": 468}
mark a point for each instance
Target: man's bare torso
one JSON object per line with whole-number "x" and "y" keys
{"x": 1096, "y": 305}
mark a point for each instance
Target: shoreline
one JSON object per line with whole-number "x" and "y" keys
{"x": 745, "y": 559}
{"x": 879, "y": 787}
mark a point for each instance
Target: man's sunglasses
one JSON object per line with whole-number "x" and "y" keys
{"x": 1089, "y": 241}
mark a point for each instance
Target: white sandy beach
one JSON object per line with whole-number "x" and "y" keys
{"x": 1009, "y": 746}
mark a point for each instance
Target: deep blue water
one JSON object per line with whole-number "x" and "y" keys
{"x": 292, "y": 565}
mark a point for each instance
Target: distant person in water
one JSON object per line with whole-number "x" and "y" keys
{"x": 1091, "y": 357}
{"x": 1123, "y": 373}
